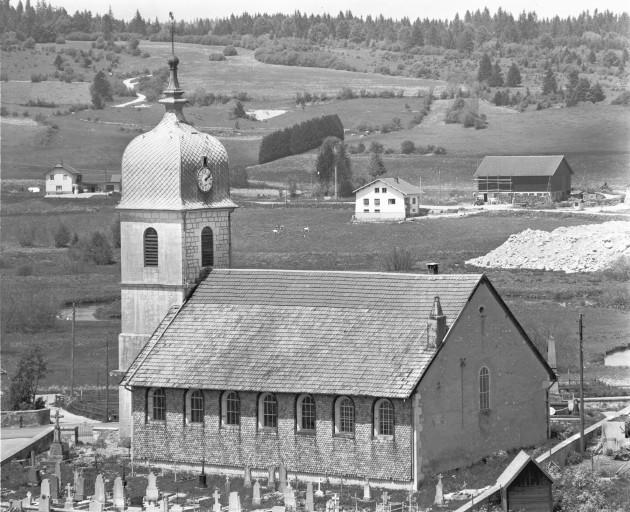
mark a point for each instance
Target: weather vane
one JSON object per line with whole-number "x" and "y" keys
{"x": 170, "y": 15}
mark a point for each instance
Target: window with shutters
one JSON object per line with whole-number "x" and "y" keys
{"x": 150, "y": 248}
{"x": 207, "y": 247}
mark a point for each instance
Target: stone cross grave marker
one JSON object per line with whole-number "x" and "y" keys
{"x": 256, "y": 494}
{"x": 54, "y": 487}
{"x": 119, "y": 494}
{"x": 366, "y": 490}
{"x": 310, "y": 507}
{"x": 439, "y": 492}
{"x": 152, "y": 494}
{"x": 247, "y": 478}
{"x": 283, "y": 477}
{"x": 234, "y": 503}
{"x": 216, "y": 507}
{"x": 99, "y": 490}
{"x": 319, "y": 493}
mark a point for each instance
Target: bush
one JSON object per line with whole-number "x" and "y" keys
{"x": 38, "y": 77}
{"x": 229, "y": 51}
{"x": 62, "y": 236}
{"x": 27, "y": 234}
{"x": 399, "y": 259}
{"x": 407, "y": 147}
{"x": 580, "y": 490}
{"x": 24, "y": 270}
{"x": 216, "y": 57}
{"x": 18, "y": 307}
{"x": 622, "y": 99}
{"x": 96, "y": 250}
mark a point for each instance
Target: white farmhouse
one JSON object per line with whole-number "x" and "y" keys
{"x": 62, "y": 179}
{"x": 386, "y": 199}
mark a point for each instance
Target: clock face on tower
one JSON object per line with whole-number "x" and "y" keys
{"x": 204, "y": 179}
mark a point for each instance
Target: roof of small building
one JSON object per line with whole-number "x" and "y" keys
{"x": 357, "y": 333}
{"x": 399, "y": 184}
{"x": 97, "y": 177}
{"x": 530, "y": 165}
{"x": 64, "y": 167}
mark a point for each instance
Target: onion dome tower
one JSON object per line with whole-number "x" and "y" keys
{"x": 175, "y": 213}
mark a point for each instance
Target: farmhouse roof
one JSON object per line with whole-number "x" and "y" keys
{"x": 530, "y": 165}
{"x": 64, "y": 167}
{"x": 359, "y": 333}
{"x": 100, "y": 177}
{"x": 404, "y": 187}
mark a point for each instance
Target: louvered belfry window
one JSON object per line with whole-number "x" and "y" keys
{"x": 207, "y": 247}
{"x": 150, "y": 248}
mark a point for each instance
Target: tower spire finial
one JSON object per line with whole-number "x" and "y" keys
{"x": 173, "y": 94}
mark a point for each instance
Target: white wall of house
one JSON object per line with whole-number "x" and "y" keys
{"x": 60, "y": 182}
{"x": 380, "y": 201}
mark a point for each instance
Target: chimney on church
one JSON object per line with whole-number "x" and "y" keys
{"x": 436, "y": 326}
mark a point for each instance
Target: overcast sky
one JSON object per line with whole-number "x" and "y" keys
{"x": 190, "y": 9}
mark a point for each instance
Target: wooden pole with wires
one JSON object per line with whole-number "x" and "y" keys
{"x": 580, "y": 333}
{"x": 74, "y": 314}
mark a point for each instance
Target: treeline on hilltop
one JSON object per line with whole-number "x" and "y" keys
{"x": 45, "y": 23}
{"x": 299, "y": 138}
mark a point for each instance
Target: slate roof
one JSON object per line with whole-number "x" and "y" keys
{"x": 65, "y": 167}
{"x": 532, "y": 165}
{"x": 401, "y": 185}
{"x": 356, "y": 333}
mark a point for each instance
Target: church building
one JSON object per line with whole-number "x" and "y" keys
{"x": 353, "y": 375}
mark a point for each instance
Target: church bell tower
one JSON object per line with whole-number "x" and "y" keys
{"x": 174, "y": 222}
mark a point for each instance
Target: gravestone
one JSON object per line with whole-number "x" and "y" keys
{"x": 152, "y": 494}
{"x": 216, "y": 507}
{"x": 227, "y": 487}
{"x": 119, "y": 494}
{"x": 58, "y": 450}
{"x": 164, "y": 505}
{"x": 282, "y": 477}
{"x": 28, "y": 501}
{"x": 309, "y": 506}
{"x": 234, "y": 503}
{"x": 99, "y": 490}
{"x": 247, "y": 478}
{"x": 79, "y": 486}
{"x": 45, "y": 488}
{"x": 319, "y": 493}
{"x": 54, "y": 487}
{"x": 439, "y": 492}
{"x": 271, "y": 482}
{"x": 95, "y": 506}
{"x": 44, "y": 503}
{"x": 34, "y": 476}
{"x": 366, "y": 490}
{"x": 68, "y": 505}
{"x": 256, "y": 494}
{"x": 289, "y": 498}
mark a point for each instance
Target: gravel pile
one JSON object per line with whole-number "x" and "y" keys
{"x": 585, "y": 248}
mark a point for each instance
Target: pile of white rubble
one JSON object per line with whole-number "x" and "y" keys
{"x": 586, "y": 248}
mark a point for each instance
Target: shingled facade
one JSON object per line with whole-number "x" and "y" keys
{"x": 434, "y": 370}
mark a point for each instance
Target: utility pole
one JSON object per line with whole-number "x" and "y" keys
{"x": 107, "y": 379}
{"x": 74, "y": 314}
{"x": 581, "y": 387}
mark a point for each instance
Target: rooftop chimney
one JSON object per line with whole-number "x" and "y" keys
{"x": 436, "y": 326}
{"x": 432, "y": 268}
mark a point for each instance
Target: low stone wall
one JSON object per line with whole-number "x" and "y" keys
{"x": 30, "y": 418}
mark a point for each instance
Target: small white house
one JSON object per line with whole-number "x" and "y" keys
{"x": 386, "y": 199}
{"x": 62, "y": 179}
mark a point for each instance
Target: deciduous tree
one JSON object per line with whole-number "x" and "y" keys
{"x": 31, "y": 368}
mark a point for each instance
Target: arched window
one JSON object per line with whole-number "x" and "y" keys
{"x": 156, "y": 404}
{"x": 194, "y": 406}
{"x": 231, "y": 408}
{"x": 207, "y": 247}
{"x": 150, "y": 248}
{"x": 344, "y": 416}
{"x": 484, "y": 389}
{"x": 383, "y": 418}
{"x": 267, "y": 411}
{"x": 305, "y": 409}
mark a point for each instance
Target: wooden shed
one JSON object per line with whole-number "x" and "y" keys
{"x": 525, "y": 486}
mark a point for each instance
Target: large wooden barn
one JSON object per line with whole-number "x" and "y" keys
{"x": 515, "y": 178}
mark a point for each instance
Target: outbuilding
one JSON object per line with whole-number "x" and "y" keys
{"x": 507, "y": 179}
{"x": 386, "y": 199}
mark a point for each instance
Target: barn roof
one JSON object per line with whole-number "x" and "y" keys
{"x": 401, "y": 185}
{"x": 531, "y": 165}
{"x": 358, "y": 333}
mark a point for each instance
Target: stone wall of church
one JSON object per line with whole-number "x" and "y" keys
{"x": 195, "y": 221}
{"x": 322, "y": 453}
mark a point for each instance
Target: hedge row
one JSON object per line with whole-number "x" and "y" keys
{"x": 299, "y": 138}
